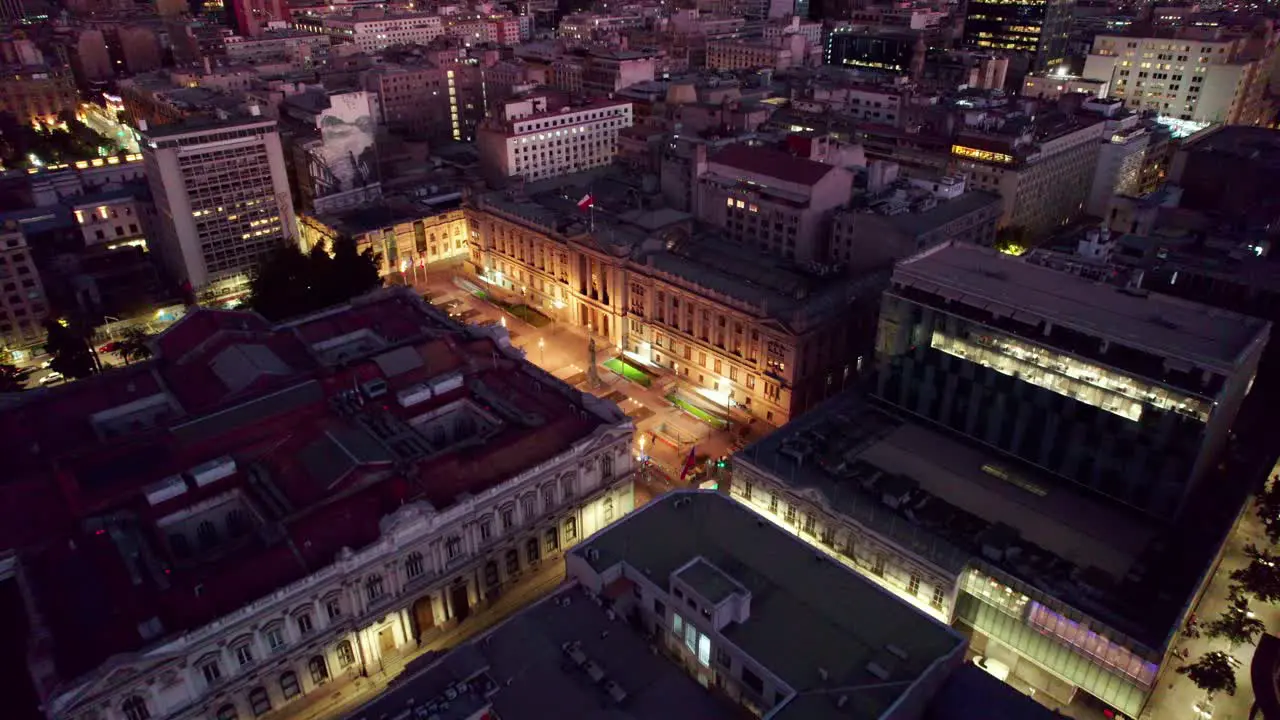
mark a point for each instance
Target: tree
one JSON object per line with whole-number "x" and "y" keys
{"x": 289, "y": 283}
{"x": 70, "y": 349}
{"x": 1013, "y": 240}
{"x": 1236, "y": 624}
{"x": 134, "y": 344}
{"x": 12, "y": 378}
{"x": 1268, "y": 510}
{"x": 1212, "y": 673}
{"x": 1261, "y": 577}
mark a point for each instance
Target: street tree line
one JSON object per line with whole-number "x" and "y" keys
{"x": 1237, "y": 625}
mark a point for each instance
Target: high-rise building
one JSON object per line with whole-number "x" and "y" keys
{"x": 1188, "y": 76}
{"x": 23, "y": 306}
{"x": 222, "y": 201}
{"x": 1128, "y": 394}
{"x": 1037, "y": 29}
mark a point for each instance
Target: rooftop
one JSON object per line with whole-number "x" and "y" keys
{"x": 809, "y": 616}
{"x": 520, "y": 671}
{"x": 233, "y": 411}
{"x": 1005, "y": 286}
{"x": 772, "y": 163}
{"x": 957, "y": 503}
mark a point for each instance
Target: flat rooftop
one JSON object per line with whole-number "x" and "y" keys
{"x": 808, "y": 613}
{"x": 958, "y": 497}
{"x": 519, "y": 671}
{"x": 1008, "y": 287}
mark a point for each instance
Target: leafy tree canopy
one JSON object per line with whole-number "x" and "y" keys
{"x": 1212, "y": 673}
{"x": 133, "y": 344}
{"x": 70, "y": 349}
{"x": 290, "y": 283}
{"x": 1236, "y": 624}
{"x": 1261, "y": 577}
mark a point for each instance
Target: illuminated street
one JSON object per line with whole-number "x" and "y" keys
{"x": 667, "y": 431}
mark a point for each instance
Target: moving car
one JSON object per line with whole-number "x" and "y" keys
{"x": 51, "y": 378}
{"x": 109, "y": 347}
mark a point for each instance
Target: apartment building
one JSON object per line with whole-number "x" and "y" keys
{"x": 284, "y": 543}
{"x": 374, "y": 34}
{"x": 1041, "y": 170}
{"x": 111, "y": 218}
{"x": 778, "y": 53}
{"x": 304, "y": 49}
{"x": 1190, "y": 75}
{"x": 222, "y": 201}
{"x": 435, "y": 95}
{"x": 23, "y": 306}
{"x": 536, "y": 137}
{"x": 771, "y": 200}
{"x": 37, "y": 93}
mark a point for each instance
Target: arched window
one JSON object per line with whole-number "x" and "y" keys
{"x": 319, "y": 669}
{"x": 566, "y": 486}
{"x": 236, "y": 523}
{"x": 228, "y": 712}
{"x": 345, "y": 655}
{"x": 289, "y": 685}
{"x": 413, "y": 565}
{"x": 135, "y": 708}
{"x": 373, "y": 587}
{"x": 179, "y": 545}
{"x": 207, "y": 533}
{"x": 260, "y": 701}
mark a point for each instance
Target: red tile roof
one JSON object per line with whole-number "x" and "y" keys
{"x": 67, "y": 488}
{"x": 772, "y": 163}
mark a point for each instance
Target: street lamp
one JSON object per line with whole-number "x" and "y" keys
{"x": 542, "y": 351}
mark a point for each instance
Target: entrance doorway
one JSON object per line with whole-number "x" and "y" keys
{"x": 386, "y": 640}
{"x": 423, "y": 616}
{"x": 458, "y": 601}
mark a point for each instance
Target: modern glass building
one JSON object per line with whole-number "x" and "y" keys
{"x": 1039, "y": 28}
{"x": 1127, "y": 393}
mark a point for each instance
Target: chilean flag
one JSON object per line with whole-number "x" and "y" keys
{"x": 587, "y": 202}
{"x": 689, "y": 462}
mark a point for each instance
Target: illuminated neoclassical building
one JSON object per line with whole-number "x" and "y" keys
{"x": 261, "y": 514}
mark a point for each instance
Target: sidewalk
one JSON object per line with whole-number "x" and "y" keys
{"x": 403, "y": 668}
{"x": 1175, "y": 696}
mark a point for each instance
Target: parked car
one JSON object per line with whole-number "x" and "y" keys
{"x": 51, "y": 378}
{"x": 109, "y": 347}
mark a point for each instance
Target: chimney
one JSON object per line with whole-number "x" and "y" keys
{"x": 255, "y": 110}
{"x": 142, "y": 125}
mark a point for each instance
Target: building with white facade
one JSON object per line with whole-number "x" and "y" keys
{"x": 333, "y": 492}
{"x": 222, "y": 201}
{"x": 372, "y": 35}
{"x": 1198, "y": 74}
{"x": 536, "y": 138}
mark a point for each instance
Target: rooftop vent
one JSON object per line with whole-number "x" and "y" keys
{"x": 878, "y": 670}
